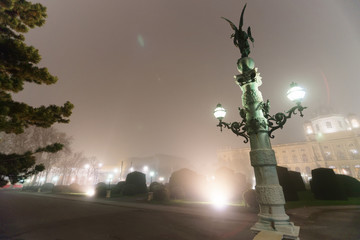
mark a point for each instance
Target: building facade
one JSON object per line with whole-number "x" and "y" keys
{"x": 332, "y": 141}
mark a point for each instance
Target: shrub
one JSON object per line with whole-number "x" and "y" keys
{"x": 100, "y": 189}
{"x": 296, "y": 181}
{"x": 325, "y": 186}
{"x": 60, "y": 189}
{"x": 177, "y": 192}
{"x": 130, "y": 190}
{"x": 250, "y": 199}
{"x": 185, "y": 184}
{"x": 137, "y": 181}
{"x": 160, "y": 193}
{"x": 47, "y": 187}
{"x": 30, "y": 188}
{"x": 154, "y": 186}
{"x": 350, "y": 185}
{"x": 230, "y": 183}
{"x": 286, "y": 183}
{"x": 75, "y": 188}
{"x": 118, "y": 188}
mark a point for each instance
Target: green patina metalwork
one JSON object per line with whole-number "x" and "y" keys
{"x": 241, "y": 37}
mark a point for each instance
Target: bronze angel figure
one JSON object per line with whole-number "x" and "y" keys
{"x": 241, "y": 37}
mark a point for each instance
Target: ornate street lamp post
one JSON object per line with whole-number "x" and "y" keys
{"x": 257, "y": 126}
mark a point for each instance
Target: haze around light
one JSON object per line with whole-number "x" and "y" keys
{"x": 145, "y": 76}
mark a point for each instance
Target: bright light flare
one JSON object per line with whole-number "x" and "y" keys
{"x": 90, "y": 192}
{"x": 219, "y": 112}
{"x": 296, "y": 93}
{"x": 219, "y": 199}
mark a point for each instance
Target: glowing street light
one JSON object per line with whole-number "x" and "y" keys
{"x": 219, "y": 112}
{"x": 55, "y": 179}
{"x": 151, "y": 176}
{"x": 296, "y": 93}
{"x": 145, "y": 168}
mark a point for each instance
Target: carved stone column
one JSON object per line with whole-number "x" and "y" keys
{"x": 272, "y": 216}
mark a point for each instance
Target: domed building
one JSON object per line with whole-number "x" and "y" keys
{"x": 332, "y": 141}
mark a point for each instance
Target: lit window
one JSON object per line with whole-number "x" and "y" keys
{"x": 309, "y": 130}
{"x": 354, "y": 151}
{"x": 340, "y": 124}
{"x": 354, "y": 123}
{"x": 328, "y": 125}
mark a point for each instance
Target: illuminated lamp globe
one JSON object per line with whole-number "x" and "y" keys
{"x": 219, "y": 112}
{"x": 296, "y": 93}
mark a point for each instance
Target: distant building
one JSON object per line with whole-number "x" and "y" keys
{"x": 332, "y": 141}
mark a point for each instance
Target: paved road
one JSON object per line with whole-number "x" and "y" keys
{"x": 26, "y": 216}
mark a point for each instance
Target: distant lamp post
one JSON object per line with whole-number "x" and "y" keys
{"x": 257, "y": 126}
{"x": 87, "y": 167}
{"x": 108, "y": 192}
{"x": 151, "y": 176}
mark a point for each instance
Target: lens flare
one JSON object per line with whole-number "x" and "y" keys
{"x": 219, "y": 199}
{"x": 90, "y": 192}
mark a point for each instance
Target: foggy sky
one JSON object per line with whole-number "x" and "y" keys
{"x": 146, "y": 75}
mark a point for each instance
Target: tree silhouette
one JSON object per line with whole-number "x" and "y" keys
{"x": 18, "y": 64}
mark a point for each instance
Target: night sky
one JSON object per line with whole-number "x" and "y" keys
{"x": 146, "y": 75}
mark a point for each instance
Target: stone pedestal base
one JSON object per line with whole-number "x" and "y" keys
{"x": 287, "y": 229}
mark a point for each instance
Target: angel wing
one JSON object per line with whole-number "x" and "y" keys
{"x": 249, "y": 35}
{"x": 242, "y": 17}
{"x": 231, "y": 24}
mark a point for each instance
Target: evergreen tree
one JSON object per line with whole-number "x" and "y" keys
{"x": 18, "y": 64}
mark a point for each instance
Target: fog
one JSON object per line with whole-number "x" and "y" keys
{"x": 146, "y": 75}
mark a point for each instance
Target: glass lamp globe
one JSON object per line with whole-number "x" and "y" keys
{"x": 296, "y": 93}
{"x": 219, "y": 112}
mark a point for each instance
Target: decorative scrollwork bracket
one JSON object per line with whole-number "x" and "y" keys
{"x": 279, "y": 119}
{"x": 239, "y": 128}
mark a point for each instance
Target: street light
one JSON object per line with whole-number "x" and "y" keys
{"x": 219, "y": 112}
{"x": 151, "y": 176}
{"x": 296, "y": 93}
{"x": 257, "y": 126}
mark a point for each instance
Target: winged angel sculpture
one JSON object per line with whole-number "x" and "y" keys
{"x": 241, "y": 37}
